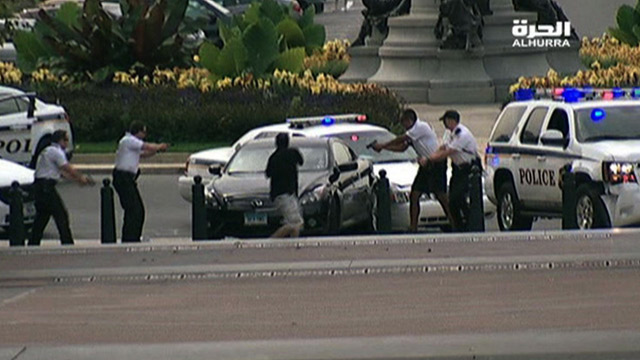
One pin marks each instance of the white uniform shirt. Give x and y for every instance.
(51, 159)
(465, 145)
(128, 154)
(423, 138)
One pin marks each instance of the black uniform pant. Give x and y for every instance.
(49, 203)
(125, 184)
(458, 195)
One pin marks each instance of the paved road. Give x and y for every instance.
(440, 289)
(168, 215)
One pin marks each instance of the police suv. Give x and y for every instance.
(27, 123)
(596, 133)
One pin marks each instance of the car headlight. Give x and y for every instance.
(315, 194)
(618, 172)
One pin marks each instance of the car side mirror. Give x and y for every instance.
(335, 175)
(215, 170)
(554, 138)
(350, 166)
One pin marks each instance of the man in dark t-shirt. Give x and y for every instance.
(282, 169)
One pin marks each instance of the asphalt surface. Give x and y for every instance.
(482, 296)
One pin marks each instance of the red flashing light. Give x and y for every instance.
(361, 118)
(608, 95)
(355, 137)
(558, 91)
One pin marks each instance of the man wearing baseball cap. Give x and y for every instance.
(462, 148)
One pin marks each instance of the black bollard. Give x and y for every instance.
(17, 234)
(384, 203)
(198, 210)
(476, 206)
(107, 214)
(569, 198)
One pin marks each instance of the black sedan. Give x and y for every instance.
(334, 189)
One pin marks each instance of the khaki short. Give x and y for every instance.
(289, 208)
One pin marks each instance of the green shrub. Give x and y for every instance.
(102, 113)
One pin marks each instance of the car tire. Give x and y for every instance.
(591, 212)
(509, 217)
(332, 226)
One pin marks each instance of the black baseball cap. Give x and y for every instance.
(451, 114)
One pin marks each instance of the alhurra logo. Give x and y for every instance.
(541, 35)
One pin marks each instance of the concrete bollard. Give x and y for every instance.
(569, 198)
(107, 214)
(17, 234)
(198, 210)
(384, 203)
(476, 206)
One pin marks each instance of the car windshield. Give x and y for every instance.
(608, 123)
(254, 159)
(358, 141)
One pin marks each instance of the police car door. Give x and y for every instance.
(15, 129)
(531, 163)
(554, 158)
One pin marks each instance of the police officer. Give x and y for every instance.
(430, 178)
(125, 173)
(462, 148)
(50, 165)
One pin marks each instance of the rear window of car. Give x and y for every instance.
(507, 124)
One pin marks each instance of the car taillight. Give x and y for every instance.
(297, 8)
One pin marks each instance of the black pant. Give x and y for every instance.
(49, 203)
(125, 184)
(458, 194)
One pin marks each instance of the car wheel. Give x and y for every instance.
(509, 217)
(590, 210)
(333, 218)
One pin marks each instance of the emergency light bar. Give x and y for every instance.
(572, 94)
(327, 120)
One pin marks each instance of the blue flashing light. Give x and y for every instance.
(495, 162)
(617, 92)
(524, 94)
(635, 92)
(328, 121)
(572, 95)
(598, 115)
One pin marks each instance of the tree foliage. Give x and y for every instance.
(265, 38)
(89, 42)
(628, 21)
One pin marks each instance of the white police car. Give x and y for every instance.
(597, 133)
(401, 168)
(27, 123)
(10, 172)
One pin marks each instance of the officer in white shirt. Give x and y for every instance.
(51, 164)
(125, 173)
(429, 179)
(462, 148)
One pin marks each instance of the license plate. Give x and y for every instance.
(254, 219)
